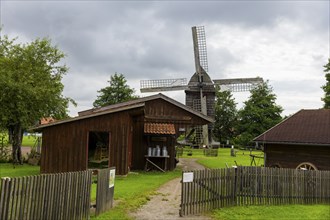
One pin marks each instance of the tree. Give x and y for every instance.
(326, 87)
(225, 115)
(30, 87)
(259, 113)
(117, 92)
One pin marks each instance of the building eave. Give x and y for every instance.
(38, 128)
(137, 103)
(293, 143)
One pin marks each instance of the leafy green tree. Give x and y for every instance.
(259, 113)
(30, 87)
(326, 87)
(117, 92)
(225, 116)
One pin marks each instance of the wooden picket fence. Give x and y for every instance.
(56, 196)
(204, 190)
(48, 196)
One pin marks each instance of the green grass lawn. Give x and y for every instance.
(242, 158)
(29, 141)
(8, 170)
(289, 212)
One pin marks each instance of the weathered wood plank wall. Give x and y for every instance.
(65, 146)
(290, 156)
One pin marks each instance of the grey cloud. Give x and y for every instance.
(298, 86)
(219, 60)
(248, 13)
(146, 39)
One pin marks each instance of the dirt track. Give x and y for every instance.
(166, 204)
(25, 150)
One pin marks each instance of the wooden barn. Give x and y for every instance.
(124, 135)
(301, 141)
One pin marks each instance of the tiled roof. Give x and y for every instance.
(47, 120)
(304, 127)
(159, 128)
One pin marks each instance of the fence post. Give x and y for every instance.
(5, 188)
(105, 189)
(182, 193)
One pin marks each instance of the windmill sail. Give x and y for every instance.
(201, 65)
(200, 90)
(200, 51)
(238, 84)
(160, 85)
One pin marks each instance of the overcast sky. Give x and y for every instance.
(285, 42)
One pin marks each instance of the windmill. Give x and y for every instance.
(200, 90)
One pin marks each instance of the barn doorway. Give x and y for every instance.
(98, 149)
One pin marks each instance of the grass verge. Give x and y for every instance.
(8, 170)
(306, 212)
(242, 158)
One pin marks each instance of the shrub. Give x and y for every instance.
(4, 148)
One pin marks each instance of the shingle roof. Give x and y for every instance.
(159, 128)
(304, 127)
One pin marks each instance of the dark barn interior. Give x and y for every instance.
(98, 149)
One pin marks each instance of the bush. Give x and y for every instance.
(244, 139)
(4, 148)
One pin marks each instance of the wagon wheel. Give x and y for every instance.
(276, 165)
(306, 166)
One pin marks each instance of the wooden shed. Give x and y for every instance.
(301, 141)
(118, 135)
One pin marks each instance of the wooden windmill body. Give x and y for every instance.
(200, 90)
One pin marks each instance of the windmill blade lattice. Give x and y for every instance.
(238, 84)
(160, 85)
(201, 39)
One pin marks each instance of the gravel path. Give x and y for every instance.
(25, 150)
(166, 203)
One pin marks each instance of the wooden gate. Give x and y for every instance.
(204, 190)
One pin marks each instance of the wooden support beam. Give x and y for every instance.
(155, 165)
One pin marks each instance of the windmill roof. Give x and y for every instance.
(304, 127)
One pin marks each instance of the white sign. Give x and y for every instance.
(188, 177)
(112, 178)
